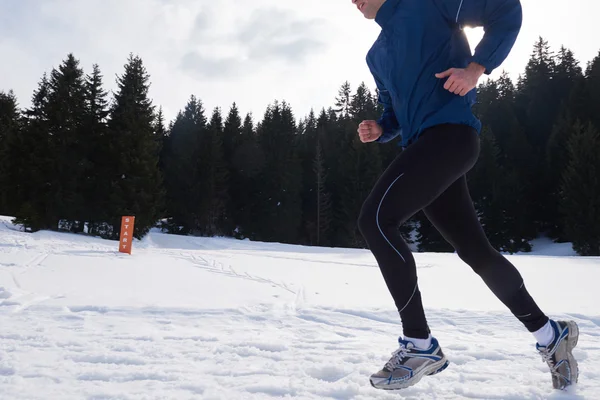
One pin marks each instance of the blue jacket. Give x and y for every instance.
(420, 38)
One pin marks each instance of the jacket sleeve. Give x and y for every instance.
(387, 120)
(500, 19)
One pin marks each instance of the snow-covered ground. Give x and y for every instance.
(198, 318)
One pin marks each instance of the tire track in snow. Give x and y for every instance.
(306, 259)
(35, 261)
(14, 278)
(218, 267)
(27, 300)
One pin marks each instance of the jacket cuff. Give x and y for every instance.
(485, 63)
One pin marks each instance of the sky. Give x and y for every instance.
(248, 52)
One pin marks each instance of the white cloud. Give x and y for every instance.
(265, 36)
(232, 50)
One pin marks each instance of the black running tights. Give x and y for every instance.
(430, 175)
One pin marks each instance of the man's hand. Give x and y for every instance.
(462, 80)
(369, 131)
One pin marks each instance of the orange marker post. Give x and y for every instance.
(126, 234)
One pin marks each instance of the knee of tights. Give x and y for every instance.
(476, 257)
(366, 221)
(370, 225)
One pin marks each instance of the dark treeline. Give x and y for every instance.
(77, 160)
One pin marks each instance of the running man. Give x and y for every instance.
(427, 77)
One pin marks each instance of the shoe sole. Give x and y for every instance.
(572, 340)
(443, 367)
(433, 369)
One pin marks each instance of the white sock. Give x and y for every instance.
(421, 344)
(545, 335)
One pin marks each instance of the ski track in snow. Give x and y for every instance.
(289, 344)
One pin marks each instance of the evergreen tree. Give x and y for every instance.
(534, 101)
(362, 106)
(360, 166)
(487, 96)
(499, 197)
(232, 139)
(182, 176)
(317, 201)
(592, 76)
(323, 201)
(428, 237)
(31, 163)
(484, 181)
(544, 89)
(578, 105)
(519, 169)
(136, 185)
(96, 181)
(514, 146)
(334, 146)
(342, 101)
(511, 206)
(557, 145)
(557, 159)
(66, 114)
(248, 161)
(162, 136)
(279, 206)
(213, 179)
(567, 73)
(232, 132)
(536, 98)
(55, 134)
(350, 184)
(580, 198)
(307, 146)
(10, 127)
(10, 130)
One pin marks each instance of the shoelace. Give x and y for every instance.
(547, 357)
(397, 357)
